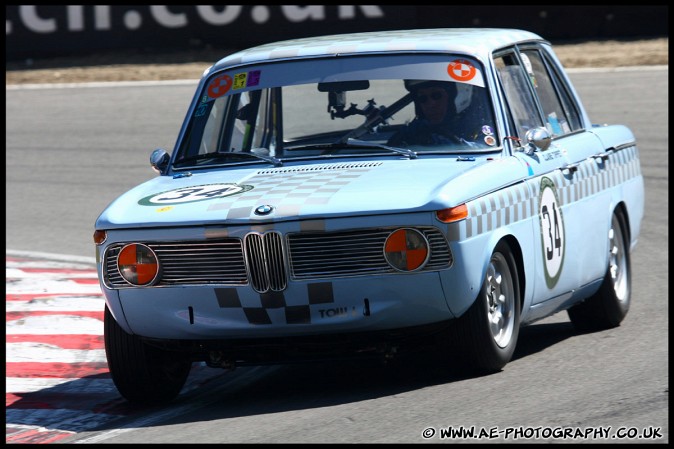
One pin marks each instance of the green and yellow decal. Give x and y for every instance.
(193, 193)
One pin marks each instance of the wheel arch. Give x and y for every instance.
(516, 249)
(622, 208)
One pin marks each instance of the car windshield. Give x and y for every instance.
(403, 106)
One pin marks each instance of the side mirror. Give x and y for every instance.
(540, 138)
(159, 160)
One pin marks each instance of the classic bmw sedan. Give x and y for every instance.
(355, 195)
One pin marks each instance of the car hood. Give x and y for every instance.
(239, 196)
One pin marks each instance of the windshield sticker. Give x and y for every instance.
(530, 69)
(239, 81)
(461, 70)
(193, 194)
(552, 231)
(219, 86)
(203, 107)
(253, 78)
(246, 79)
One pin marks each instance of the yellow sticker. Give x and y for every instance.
(164, 209)
(240, 80)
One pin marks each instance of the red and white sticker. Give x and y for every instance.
(490, 140)
(220, 86)
(461, 70)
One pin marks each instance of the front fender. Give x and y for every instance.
(463, 281)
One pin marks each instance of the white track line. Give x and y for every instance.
(46, 353)
(59, 385)
(49, 324)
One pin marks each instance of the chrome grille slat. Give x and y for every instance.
(330, 261)
(275, 261)
(192, 260)
(206, 269)
(255, 255)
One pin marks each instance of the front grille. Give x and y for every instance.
(216, 262)
(264, 254)
(261, 261)
(354, 253)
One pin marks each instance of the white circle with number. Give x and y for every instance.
(194, 193)
(552, 231)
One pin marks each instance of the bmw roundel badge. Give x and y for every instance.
(265, 209)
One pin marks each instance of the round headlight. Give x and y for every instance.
(138, 264)
(406, 249)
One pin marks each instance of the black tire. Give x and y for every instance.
(609, 306)
(142, 373)
(487, 333)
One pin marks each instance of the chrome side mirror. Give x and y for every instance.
(159, 160)
(540, 138)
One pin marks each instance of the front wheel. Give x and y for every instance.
(487, 333)
(609, 306)
(142, 373)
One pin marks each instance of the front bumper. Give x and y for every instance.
(304, 308)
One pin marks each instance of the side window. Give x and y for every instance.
(518, 94)
(570, 106)
(560, 117)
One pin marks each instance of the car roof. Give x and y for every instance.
(479, 42)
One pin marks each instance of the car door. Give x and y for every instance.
(585, 198)
(554, 173)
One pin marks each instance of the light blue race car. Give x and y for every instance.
(355, 195)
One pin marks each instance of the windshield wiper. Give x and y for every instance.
(364, 143)
(355, 143)
(229, 155)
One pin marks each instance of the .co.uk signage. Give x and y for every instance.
(34, 31)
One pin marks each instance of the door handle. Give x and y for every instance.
(601, 156)
(571, 168)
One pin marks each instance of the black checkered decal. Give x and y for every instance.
(517, 202)
(288, 189)
(317, 293)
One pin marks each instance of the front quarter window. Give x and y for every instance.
(517, 90)
(560, 115)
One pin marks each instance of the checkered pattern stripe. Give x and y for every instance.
(288, 189)
(272, 307)
(479, 42)
(594, 176)
(499, 209)
(517, 202)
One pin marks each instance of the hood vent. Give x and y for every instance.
(314, 168)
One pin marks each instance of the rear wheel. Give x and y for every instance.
(609, 306)
(142, 373)
(487, 333)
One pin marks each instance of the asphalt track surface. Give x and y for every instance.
(70, 151)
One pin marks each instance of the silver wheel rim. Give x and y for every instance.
(617, 261)
(500, 299)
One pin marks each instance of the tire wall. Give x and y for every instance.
(42, 31)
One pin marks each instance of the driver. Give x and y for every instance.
(435, 122)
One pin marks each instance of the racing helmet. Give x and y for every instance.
(413, 85)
